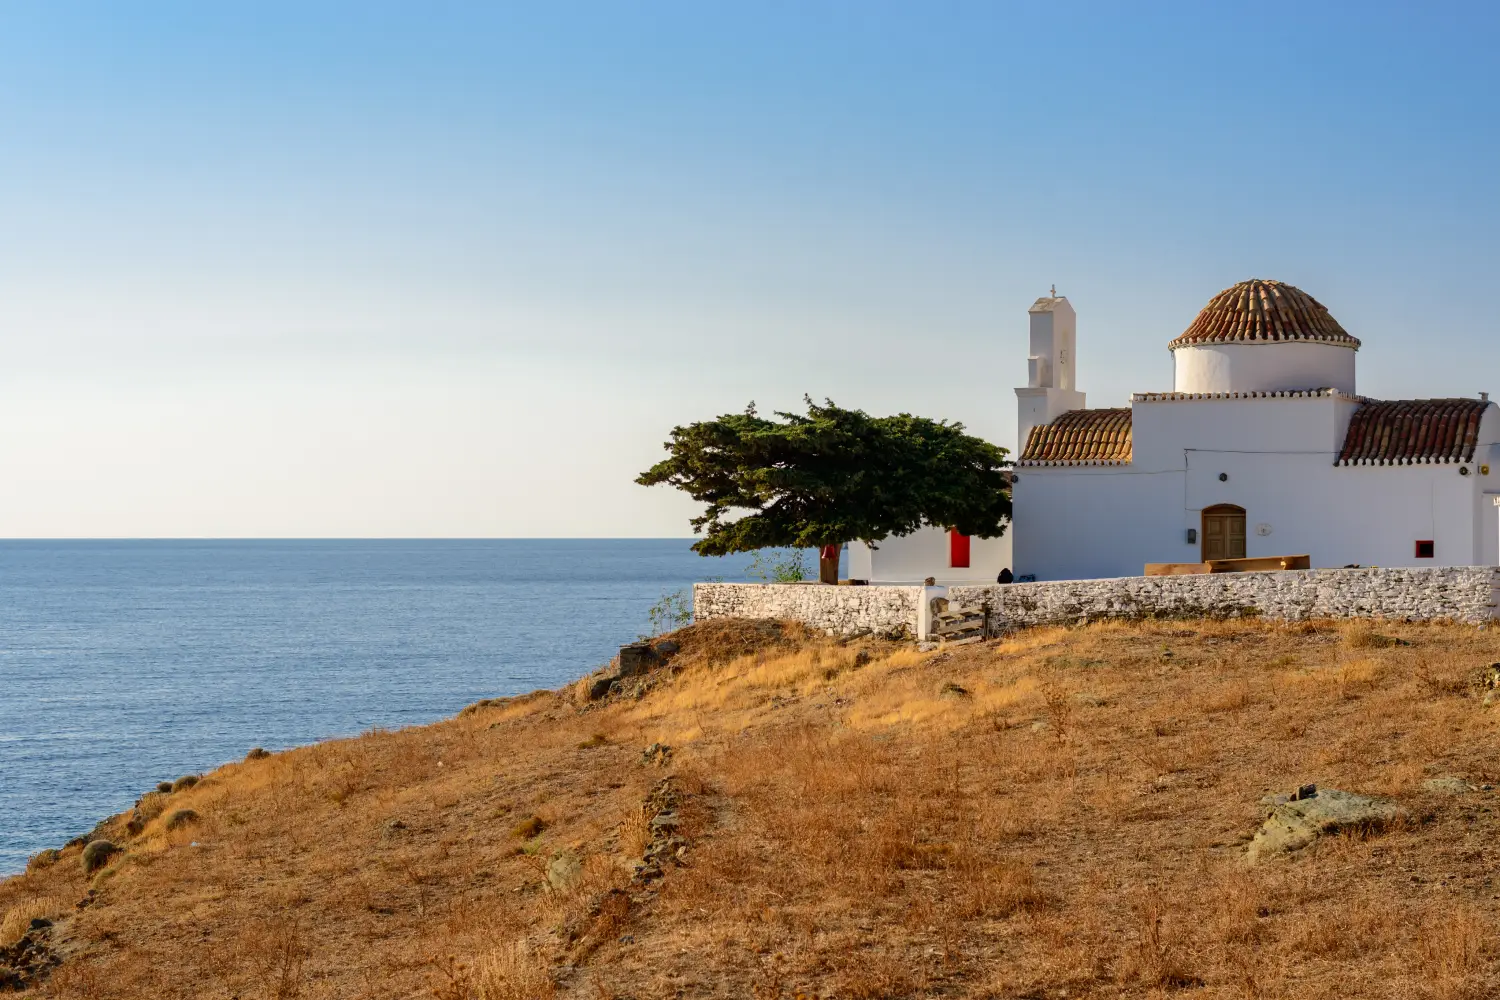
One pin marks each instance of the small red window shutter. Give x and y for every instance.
(958, 550)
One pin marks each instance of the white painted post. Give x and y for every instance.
(924, 610)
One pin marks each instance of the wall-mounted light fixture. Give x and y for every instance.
(1192, 536)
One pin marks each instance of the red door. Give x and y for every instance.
(958, 550)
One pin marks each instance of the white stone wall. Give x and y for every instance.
(1462, 593)
(840, 610)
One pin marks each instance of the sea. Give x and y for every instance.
(126, 663)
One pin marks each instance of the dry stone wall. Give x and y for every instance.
(839, 610)
(1462, 593)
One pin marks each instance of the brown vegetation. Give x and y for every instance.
(1063, 813)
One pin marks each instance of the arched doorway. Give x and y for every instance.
(1223, 532)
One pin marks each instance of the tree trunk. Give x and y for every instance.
(828, 564)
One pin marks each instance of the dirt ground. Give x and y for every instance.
(1060, 814)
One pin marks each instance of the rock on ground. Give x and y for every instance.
(1298, 819)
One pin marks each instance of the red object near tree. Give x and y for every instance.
(958, 550)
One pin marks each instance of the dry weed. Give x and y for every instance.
(18, 918)
(1358, 675)
(1360, 634)
(1059, 705)
(1450, 953)
(1159, 959)
(511, 973)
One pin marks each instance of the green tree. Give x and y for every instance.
(831, 476)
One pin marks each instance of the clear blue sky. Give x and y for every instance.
(446, 269)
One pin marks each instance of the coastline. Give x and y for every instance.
(848, 817)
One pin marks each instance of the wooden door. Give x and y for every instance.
(1223, 532)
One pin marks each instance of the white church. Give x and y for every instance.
(1262, 448)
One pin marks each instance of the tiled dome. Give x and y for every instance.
(1264, 312)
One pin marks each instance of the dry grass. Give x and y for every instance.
(1060, 814)
(18, 918)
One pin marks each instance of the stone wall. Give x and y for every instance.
(1462, 593)
(840, 610)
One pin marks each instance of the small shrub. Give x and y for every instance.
(258, 753)
(96, 855)
(181, 818)
(150, 806)
(529, 827)
(165, 787)
(1360, 634)
(1059, 704)
(480, 705)
(43, 859)
(672, 612)
(186, 781)
(596, 740)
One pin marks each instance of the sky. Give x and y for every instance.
(413, 270)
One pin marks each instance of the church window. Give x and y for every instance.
(958, 550)
(1426, 550)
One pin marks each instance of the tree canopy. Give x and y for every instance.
(832, 476)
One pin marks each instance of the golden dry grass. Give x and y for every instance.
(1060, 814)
(18, 918)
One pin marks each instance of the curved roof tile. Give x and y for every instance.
(1411, 431)
(1261, 311)
(1081, 436)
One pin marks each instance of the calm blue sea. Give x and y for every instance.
(125, 663)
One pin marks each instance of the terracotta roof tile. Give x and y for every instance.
(1408, 431)
(1081, 437)
(1172, 397)
(1261, 311)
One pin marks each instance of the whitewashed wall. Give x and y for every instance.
(1261, 367)
(1462, 593)
(1077, 522)
(913, 558)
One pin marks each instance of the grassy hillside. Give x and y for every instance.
(1063, 814)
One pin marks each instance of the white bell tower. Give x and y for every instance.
(1051, 367)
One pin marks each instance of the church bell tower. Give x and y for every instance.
(1051, 367)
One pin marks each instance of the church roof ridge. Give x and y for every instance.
(1264, 311)
(1170, 397)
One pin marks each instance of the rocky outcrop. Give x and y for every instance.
(631, 674)
(1301, 817)
(666, 845)
(30, 960)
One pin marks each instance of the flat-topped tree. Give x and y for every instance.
(832, 476)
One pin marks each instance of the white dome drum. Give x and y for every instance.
(1264, 336)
